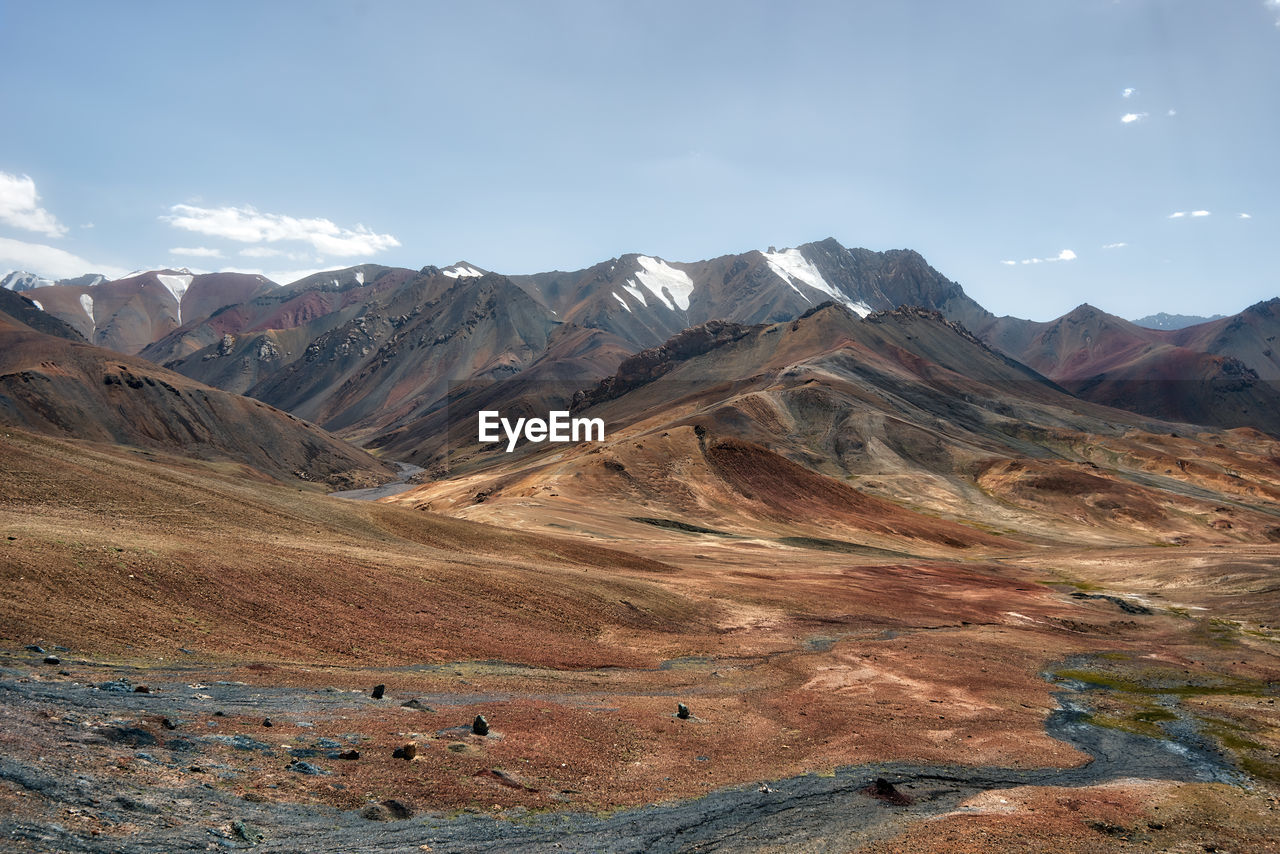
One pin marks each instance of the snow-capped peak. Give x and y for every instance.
(462, 270)
(792, 267)
(20, 280)
(663, 281)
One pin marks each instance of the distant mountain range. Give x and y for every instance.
(371, 352)
(1164, 320)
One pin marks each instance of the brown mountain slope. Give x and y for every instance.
(1204, 374)
(59, 387)
(831, 426)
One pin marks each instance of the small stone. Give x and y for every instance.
(408, 752)
(480, 726)
(305, 768)
(246, 832)
(141, 689)
(52, 659)
(349, 754)
(378, 691)
(31, 647)
(168, 724)
(267, 722)
(682, 711)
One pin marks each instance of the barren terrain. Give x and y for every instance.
(1012, 690)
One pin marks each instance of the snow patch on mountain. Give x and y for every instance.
(19, 281)
(665, 282)
(621, 301)
(462, 271)
(793, 268)
(37, 304)
(177, 286)
(635, 292)
(359, 277)
(86, 302)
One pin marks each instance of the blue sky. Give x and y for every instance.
(526, 136)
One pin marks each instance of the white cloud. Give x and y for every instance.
(1114, 245)
(1171, 113)
(1177, 215)
(1274, 6)
(196, 251)
(1130, 118)
(50, 262)
(1010, 263)
(1246, 216)
(1184, 214)
(247, 225)
(19, 206)
(1064, 255)
(1128, 92)
(262, 252)
(1199, 213)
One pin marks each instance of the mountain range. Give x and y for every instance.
(369, 350)
(845, 527)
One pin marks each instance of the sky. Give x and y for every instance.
(1042, 153)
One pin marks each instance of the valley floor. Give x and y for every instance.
(1063, 698)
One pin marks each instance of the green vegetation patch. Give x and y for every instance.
(676, 525)
(839, 546)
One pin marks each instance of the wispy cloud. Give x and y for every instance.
(247, 225)
(196, 251)
(1274, 6)
(1130, 118)
(49, 261)
(20, 208)
(1172, 112)
(1184, 214)
(1128, 92)
(1120, 245)
(1245, 216)
(1064, 255)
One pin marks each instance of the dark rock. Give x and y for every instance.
(882, 790)
(168, 724)
(375, 812)
(349, 754)
(682, 711)
(246, 832)
(52, 659)
(480, 726)
(130, 735)
(407, 752)
(267, 722)
(378, 691)
(33, 647)
(141, 689)
(398, 810)
(305, 768)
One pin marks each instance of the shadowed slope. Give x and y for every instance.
(67, 389)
